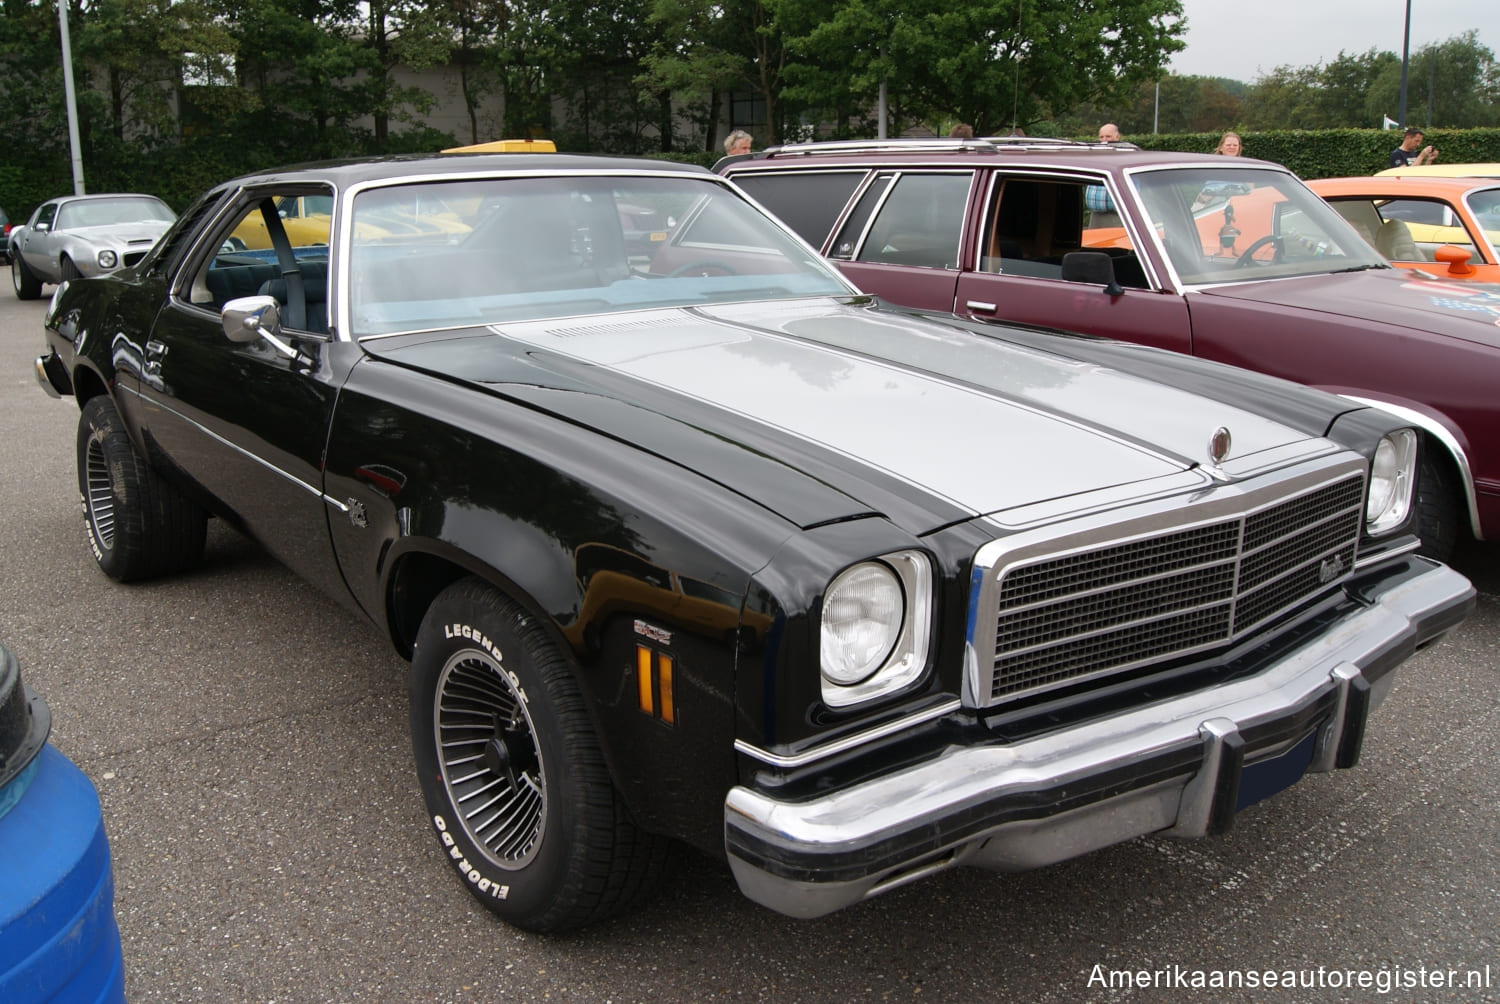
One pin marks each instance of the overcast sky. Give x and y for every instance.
(1242, 39)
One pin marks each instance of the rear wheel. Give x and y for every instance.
(138, 525)
(514, 780)
(28, 286)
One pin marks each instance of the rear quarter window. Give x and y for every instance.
(807, 201)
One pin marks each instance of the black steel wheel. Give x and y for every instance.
(515, 784)
(138, 525)
(1439, 512)
(28, 285)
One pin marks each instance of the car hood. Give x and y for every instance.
(1469, 310)
(825, 409)
(121, 233)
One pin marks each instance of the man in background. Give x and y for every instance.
(737, 142)
(1109, 133)
(1406, 154)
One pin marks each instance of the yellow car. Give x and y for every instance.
(306, 219)
(1443, 171)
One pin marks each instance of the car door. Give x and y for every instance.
(248, 422)
(1029, 222)
(35, 245)
(904, 237)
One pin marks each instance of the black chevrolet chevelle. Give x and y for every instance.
(686, 539)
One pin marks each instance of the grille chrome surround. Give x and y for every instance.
(1089, 599)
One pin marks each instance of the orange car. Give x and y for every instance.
(1445, 227)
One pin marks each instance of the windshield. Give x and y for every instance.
(1234, 224)
(112, 212)
(483, 251)
(1485, 205)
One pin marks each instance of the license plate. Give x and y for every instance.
(1267, 777)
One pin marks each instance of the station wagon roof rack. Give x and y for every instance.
(986, 144)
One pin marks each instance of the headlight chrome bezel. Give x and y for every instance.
(108, 259)
(1391, 491)
(905, 657)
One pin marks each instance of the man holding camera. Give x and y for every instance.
(1406, 154)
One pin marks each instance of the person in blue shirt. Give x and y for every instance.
(1406, 155)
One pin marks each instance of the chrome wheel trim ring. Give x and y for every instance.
(99, 496)
(479, 710)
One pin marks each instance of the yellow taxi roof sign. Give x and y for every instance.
(507, 146)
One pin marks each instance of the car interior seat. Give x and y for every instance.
(1393, 241)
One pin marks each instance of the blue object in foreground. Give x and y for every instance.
(58, 937)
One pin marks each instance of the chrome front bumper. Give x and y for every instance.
(1183, 766)
(51, 375)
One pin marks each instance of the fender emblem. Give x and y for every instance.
(357, 514)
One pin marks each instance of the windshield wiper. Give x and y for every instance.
(1360, 268)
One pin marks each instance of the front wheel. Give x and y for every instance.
(1438, 508)
(514, 780)
(28, 285)
(138, 524)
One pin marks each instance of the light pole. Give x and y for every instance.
(1405, 55)
(67, 60)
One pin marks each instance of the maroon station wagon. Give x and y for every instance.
(1230, 259)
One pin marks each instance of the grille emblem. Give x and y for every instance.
(1218, 446)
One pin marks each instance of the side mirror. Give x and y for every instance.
(250, 319)
(1093, 267)
(1456, 258)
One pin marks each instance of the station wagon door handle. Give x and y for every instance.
(980, 307)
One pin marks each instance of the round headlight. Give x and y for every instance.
(1392, 474)
(107, 259)
(862, 615)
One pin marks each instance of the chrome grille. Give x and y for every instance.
(1117, 605)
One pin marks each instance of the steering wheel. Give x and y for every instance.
(703, 268)
(1247, 257)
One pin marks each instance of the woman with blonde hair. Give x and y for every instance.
(1230, 145)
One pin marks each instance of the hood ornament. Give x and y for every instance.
(1218, 446)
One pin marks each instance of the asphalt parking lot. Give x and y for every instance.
(248, 739)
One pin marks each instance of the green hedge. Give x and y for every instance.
(180, 173)
(1333, 153)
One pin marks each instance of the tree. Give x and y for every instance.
(1458, 79)
(993, 63)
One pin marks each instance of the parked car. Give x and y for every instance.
(5, 229)
(1445, 228)
(84, 235)
(1442, 171)
(705, 546)
(1229, 259)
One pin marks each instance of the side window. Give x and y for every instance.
(46, 215)
(858, 221)
(1032, 222)
(920, 222)
(249, 258)
(1413, 229)
(809, 202)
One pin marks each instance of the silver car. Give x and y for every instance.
(79, 235)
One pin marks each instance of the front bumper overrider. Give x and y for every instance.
(1184, 765)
